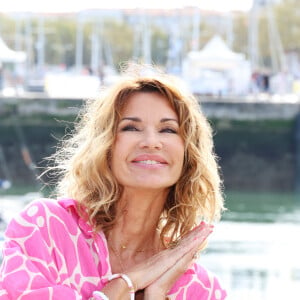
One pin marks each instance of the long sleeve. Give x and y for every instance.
(199, 284)
(47, 256)
(28, 272)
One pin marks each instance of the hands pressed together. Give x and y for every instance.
(157, 274)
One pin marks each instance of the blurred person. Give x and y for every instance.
(138, 191)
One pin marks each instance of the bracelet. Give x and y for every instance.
(126, 279)
(97, 295)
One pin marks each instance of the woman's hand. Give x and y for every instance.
(157, 274)
(160, 287)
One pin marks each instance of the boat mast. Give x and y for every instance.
(146, 42)
(40, 46)
(278, 59)
(196, 29)
(79, 43)
(253, 37)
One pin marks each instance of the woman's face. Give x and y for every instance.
(148, 152)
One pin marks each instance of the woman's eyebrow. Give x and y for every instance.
(168, 119)
(136, 119)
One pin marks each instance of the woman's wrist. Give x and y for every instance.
(117, 286)
(116, 289)
(151, 294)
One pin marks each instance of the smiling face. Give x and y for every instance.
(148, 151)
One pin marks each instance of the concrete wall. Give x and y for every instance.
(255, 141)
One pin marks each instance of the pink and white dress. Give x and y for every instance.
(51, 253)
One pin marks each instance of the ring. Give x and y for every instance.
(174, 244)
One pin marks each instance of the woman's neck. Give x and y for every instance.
(138, 214)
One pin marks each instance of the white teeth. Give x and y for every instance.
(148, 162)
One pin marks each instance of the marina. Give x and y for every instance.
(242, 66)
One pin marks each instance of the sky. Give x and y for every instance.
(77, 5)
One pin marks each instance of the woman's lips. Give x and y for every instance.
(149, 159)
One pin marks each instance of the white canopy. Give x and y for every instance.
(215, 55)
(216, 69)
(9, 55)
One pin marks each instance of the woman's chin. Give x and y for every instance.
(150, 185)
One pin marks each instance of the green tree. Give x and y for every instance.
(7, 30)
(60, 41)
(117, 41)
(240, 33)
(288, 19)
(159, 45)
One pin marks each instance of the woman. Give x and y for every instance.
(140, 179)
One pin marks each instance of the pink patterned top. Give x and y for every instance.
(50, 253)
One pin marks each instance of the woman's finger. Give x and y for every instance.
(163, 284)
(150, 270)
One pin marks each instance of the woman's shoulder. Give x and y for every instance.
(47, 207)
(43, 211)
(51, 204)
(198, 283)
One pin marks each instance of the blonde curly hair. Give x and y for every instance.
(83, 159)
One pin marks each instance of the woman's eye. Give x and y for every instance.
(168, 130)
(129, 128)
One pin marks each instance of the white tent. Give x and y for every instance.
(216, 69)
(215, 55)
(9, 55)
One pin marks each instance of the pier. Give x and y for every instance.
(256, 139)
(259, 107)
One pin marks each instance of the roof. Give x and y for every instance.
(9, 55)
(215, 54)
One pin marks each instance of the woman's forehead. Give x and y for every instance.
(154, 102)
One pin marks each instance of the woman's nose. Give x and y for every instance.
(151, 140)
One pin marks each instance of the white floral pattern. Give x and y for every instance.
(51, 253)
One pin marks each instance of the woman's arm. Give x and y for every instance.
(24, 277)
(157, 274)
(41, 259)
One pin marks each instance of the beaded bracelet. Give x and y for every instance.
(97, 295)
(126, 279)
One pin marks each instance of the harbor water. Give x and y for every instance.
(254, 250)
